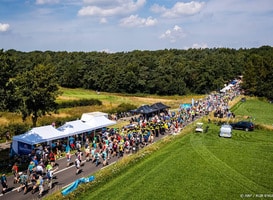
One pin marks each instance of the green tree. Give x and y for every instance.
(37, 91)
(8, 100)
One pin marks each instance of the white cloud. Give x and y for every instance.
(174, 34)
(135, 21)
(106, 51)
(40, 2)
(115, 7)
(199, 46)
(4, 27)
(179, 9)
(157, 8)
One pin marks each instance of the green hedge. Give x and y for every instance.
(14, 129)
(124, 107)
(81, 102)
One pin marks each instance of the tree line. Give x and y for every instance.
(29, 80)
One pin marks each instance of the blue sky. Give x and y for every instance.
(127, 25)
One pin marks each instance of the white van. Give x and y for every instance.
(226, 131)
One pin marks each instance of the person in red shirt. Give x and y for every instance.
(14, 170)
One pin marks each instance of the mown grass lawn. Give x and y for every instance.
(197, 166)
(258, 111)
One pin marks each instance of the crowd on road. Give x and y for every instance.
(35, 177)
(98, 148)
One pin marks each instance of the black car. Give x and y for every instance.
(243, 125)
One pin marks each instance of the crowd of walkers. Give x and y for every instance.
(38, 174)
(98, 148)
(143, 129)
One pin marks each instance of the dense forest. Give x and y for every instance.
(162, 72)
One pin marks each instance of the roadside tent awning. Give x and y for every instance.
(159, 106)
(227, 88)
(145, 109)
(23, 144)
(74, 128)
(89, 116)
(97, 120)
(39, 135)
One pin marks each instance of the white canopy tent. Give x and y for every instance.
(24, 142)
(97, 120)
(226, 88)
(74, 128)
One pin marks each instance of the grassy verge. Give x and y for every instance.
(260, 112)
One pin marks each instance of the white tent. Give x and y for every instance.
(74, 128)
(89, 116)
(23, 143)
(97, 120)
(227, 88)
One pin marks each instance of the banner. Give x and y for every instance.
(75, 184)
(24, 149)
(185, 105)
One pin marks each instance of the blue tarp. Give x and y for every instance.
(75, 184)
(185, 106)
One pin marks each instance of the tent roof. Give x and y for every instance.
(98, 122)
(159, 106)
(145, 109)
(88, 116)
(39, 135)
(74, 128)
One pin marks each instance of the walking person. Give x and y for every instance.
(49, 176)
(23, 180)
(87, 153)
(77, 165)
(4, 183)
(7, 136)
(52, 158)
(14, 170)
(41, 185)
(97, 158)
(68, 158)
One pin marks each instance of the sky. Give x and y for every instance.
(127, 25)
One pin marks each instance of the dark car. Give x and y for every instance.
(243, 125)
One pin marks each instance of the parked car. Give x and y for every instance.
(199, 127)
(243, 125)
(226, 131)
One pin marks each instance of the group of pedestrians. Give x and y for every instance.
(143, 130)
(40, 173)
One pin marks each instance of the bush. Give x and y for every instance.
(14, 129)
(81, 102)
(58, 121)
(124, 107)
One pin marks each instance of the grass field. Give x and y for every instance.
(258, 111)
(109, 101)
